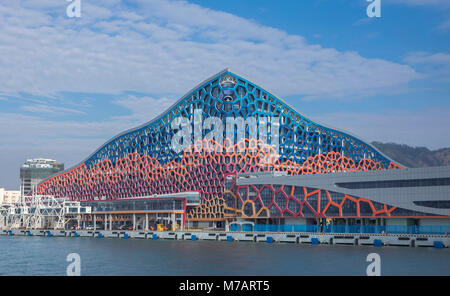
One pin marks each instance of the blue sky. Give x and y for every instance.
(68, 85)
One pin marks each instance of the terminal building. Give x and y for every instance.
(231, 155)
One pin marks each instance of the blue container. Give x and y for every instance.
(10, 233)
(100, 235)
(229, 238)
(49, 234)
(193, 237)
(269, 239)
(125, 236)
(75, 234)
(377, 243)
(314, 241)
(438, 244)
(28, 233)
(154, 236)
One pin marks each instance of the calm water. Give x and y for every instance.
(47, 256)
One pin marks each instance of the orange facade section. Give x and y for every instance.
(201, 170)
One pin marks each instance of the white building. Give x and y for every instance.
(9, 196)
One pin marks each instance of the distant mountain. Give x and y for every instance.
(414, 157)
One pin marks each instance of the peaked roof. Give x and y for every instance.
(187, 94)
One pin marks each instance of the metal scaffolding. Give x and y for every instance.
(39, 212)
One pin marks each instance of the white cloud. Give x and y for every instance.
(165, 47)
(168, 46)
(143, 109)
(49, 109)
(68, 141)
(428, 58)
(436, 65)
(428, 128)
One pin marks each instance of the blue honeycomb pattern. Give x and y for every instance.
(229, 95)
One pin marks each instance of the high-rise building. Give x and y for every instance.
(35, 170)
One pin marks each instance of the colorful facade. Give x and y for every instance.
(144, 161)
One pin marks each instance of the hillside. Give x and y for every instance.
(415, 156)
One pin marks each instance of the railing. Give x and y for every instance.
(395, 229)
(275, 228)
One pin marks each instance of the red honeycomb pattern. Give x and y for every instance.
(203, 171)
(314, 204)
(214, 209)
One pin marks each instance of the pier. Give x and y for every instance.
(376, 240)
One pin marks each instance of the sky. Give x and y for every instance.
(67, 85)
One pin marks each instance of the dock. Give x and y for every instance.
(376, 240)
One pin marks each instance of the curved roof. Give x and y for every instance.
(201, 85)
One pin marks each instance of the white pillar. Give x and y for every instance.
(174, 220)
(146, 222)
(106, 222)
(134, 221)
(95, 222)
